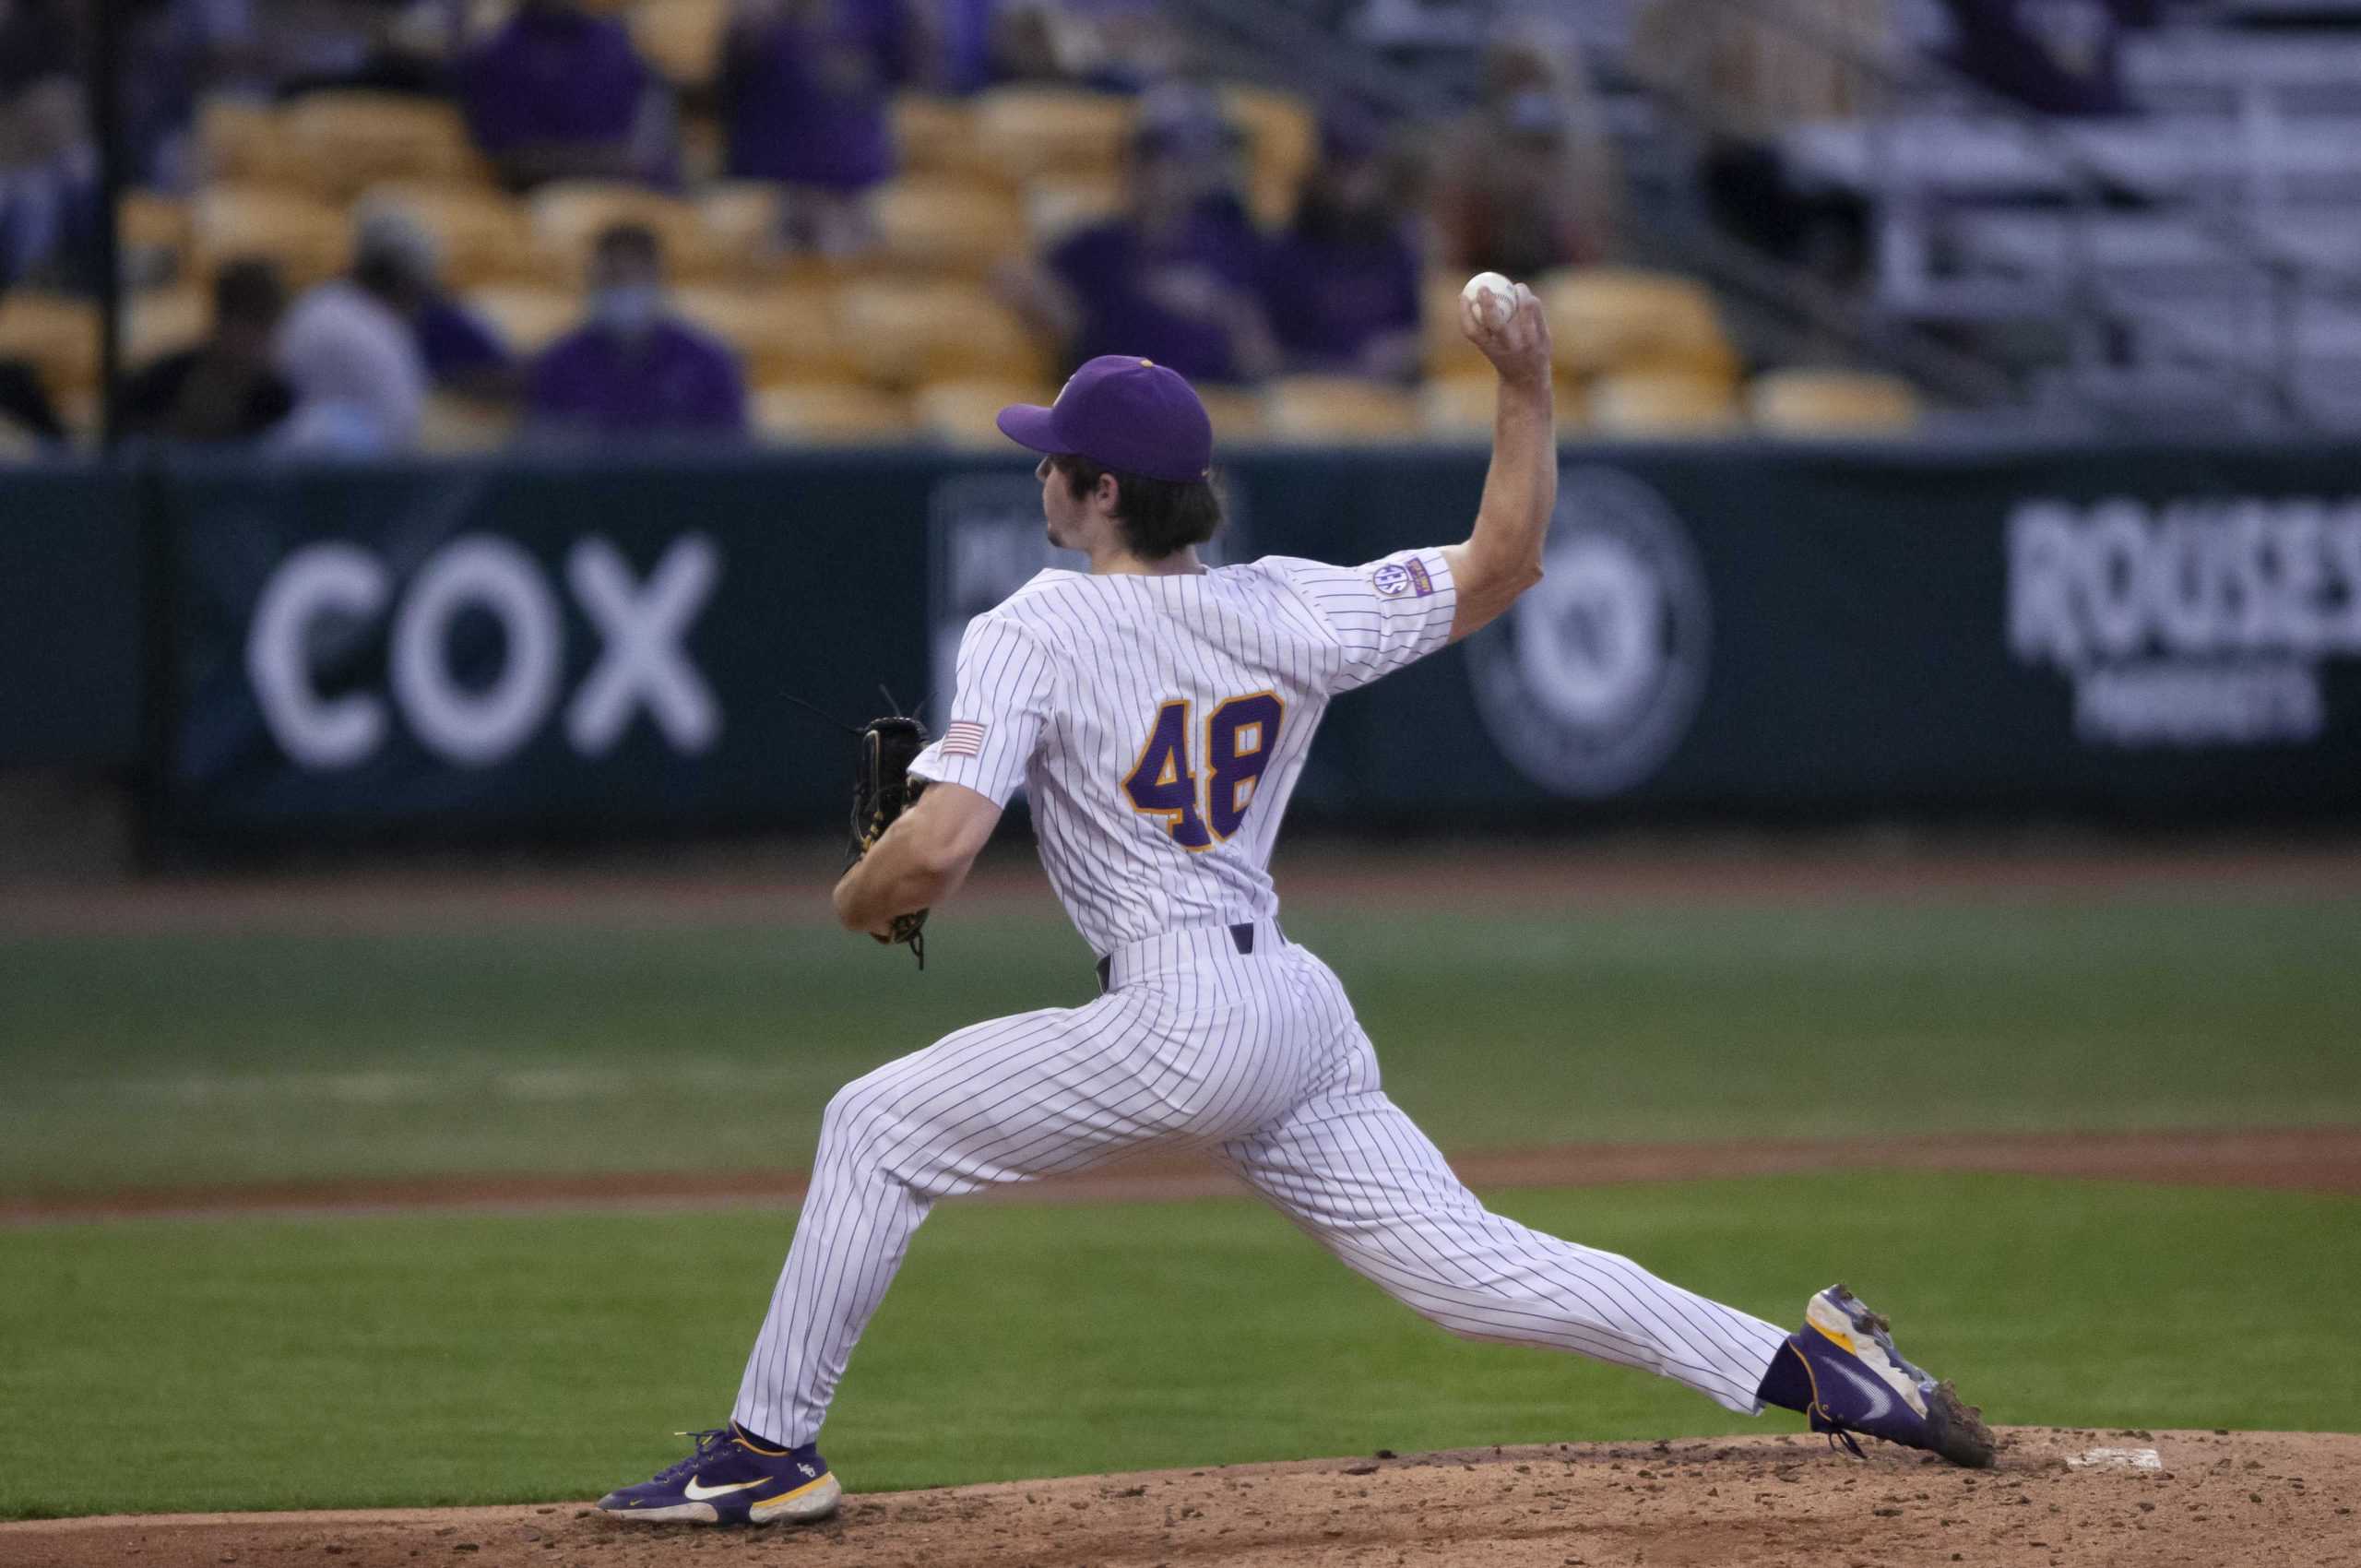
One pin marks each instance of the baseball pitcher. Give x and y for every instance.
(1159, 714)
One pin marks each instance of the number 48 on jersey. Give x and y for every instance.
(1241, 736)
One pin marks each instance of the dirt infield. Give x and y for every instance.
(2057, 1500)
(2313, 1159)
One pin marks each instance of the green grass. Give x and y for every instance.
(193, 1059)
(273, 1363)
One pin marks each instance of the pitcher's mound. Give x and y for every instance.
(2057, 1499)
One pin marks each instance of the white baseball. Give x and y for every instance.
(1494, 296)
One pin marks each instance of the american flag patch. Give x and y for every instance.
(963, 739)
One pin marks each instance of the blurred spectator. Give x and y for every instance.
(2060, 56)
(50, 212)
(558, 93)
(805, 88)
(461, 351)
(1750, 80)
(349, 353)
(633, 369)
(1528, 181)
(222, 389)
(1176, 279)
(1341, 285)
(26, 415)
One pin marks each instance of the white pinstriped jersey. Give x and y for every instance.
(1159, 723)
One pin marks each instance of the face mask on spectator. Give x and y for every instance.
(628, 310)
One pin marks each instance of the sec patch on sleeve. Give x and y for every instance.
(1403, 579)
(963, 739)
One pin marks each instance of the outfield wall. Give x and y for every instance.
(528, 646)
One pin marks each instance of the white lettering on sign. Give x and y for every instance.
(325, 594)
(2199, 621)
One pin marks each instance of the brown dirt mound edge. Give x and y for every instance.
(2056, 1499)
(2314, 1159)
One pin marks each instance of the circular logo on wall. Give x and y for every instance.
(1588, 684)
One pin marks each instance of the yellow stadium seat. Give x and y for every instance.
(347, 141)
(1608, 318)
(1056, 205)
(164, 322)
(944, 225)
(1337, 409)
(827, 413)
(57, 334)
(155, 223)
(681, 38)
(938, 136)
(746, 220)
(527, 317)
(1282, 140)
(1830, 402)
(905, 332)
(1235, 412)
(568, 215)
(240, 138)
(784, 334)
(310, 239)
(483, 233)
(453, 423)
(1458, 408)
(1447, 351)
(963, 412)
(1663, 403)
(1025, 131)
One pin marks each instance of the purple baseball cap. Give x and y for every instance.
(1129, 415)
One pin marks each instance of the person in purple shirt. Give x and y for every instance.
(1177, 277)
(804, 92)
(633, 369)
(557, 93)
(1341, 285)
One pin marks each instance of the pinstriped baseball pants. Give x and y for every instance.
(1259, 1061)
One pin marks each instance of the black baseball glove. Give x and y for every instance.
(882, 790)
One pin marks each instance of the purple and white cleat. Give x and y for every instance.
(732, 1479)
(1860, 1384)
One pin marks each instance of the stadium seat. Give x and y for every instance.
(157, 224)
(1283, 142)
(681, 38)
(1235, 412)
(452, 423)
(241, 138)
(963, 411)
(1830, 402)
(1663, 403)
(1447, 351)
(1325, 409)
(1056, 205)
(945, 225)
(1025, 131)
(163, 322)
(568, 216)
(829, 414)
(57, 334)
(783, 334)
(746, 220)
(529, 318)
(483, 233)
(937, 136)
(1460, 407)
(345, 141)
(1606, 318)
(903, 333)
(310, 239)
